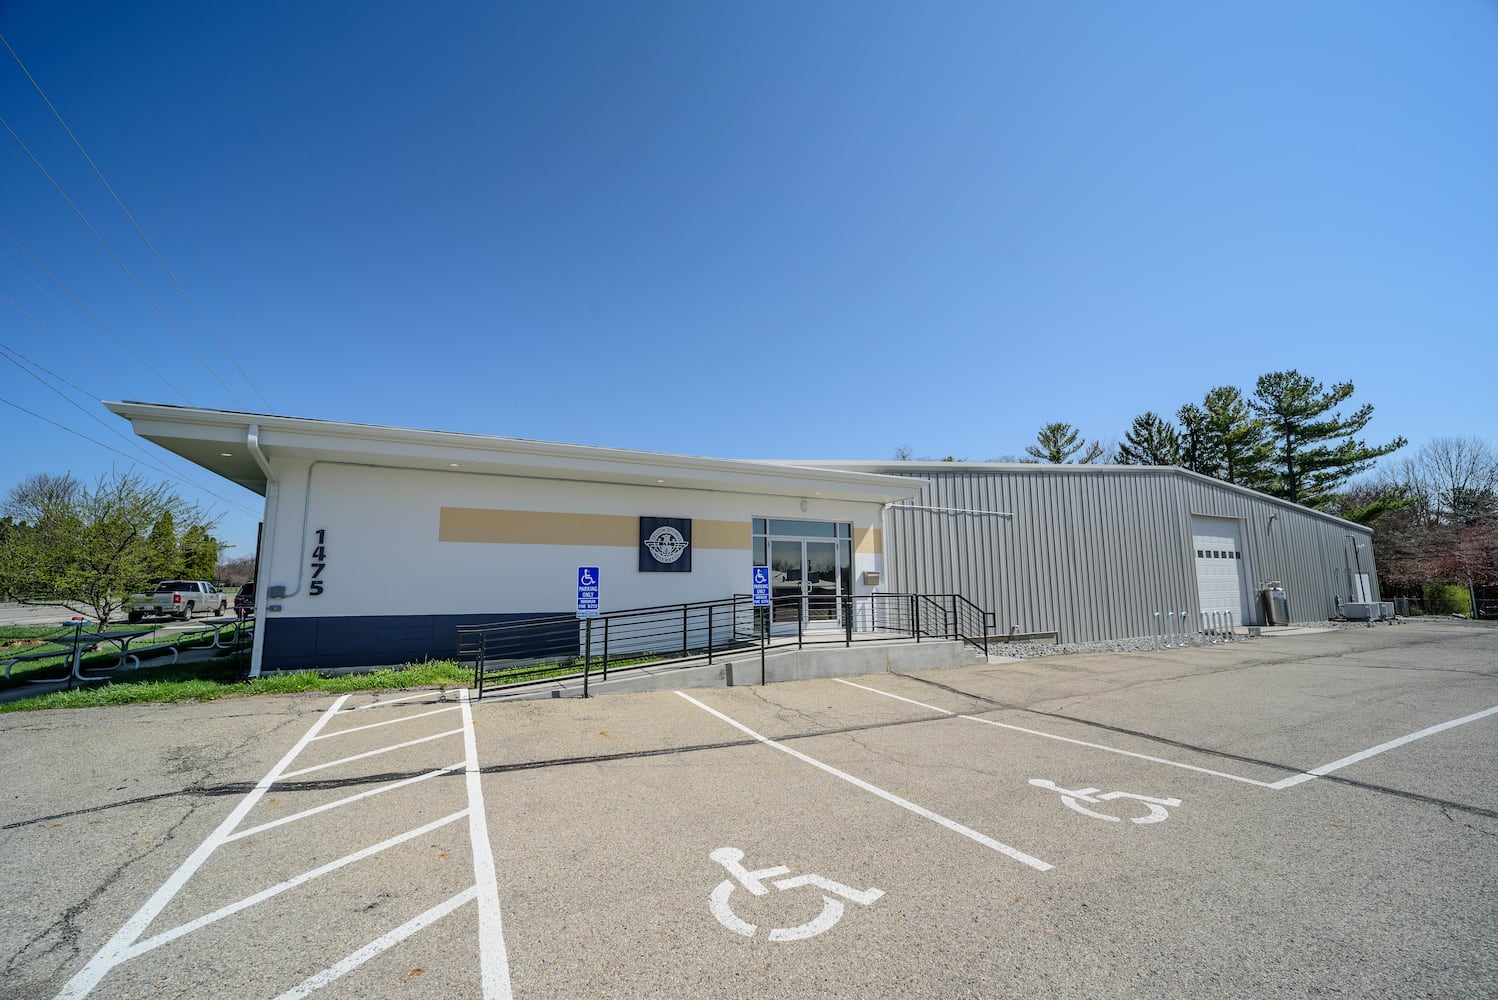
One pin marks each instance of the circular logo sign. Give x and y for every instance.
(666, 544)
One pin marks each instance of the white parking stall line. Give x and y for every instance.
(952, 825)
(1124, 753)
(392, 786)
(1337, 765)
(371, 753)
(384, 702)
(164, 937)
(112, 953)
(897, 697)
(494, 959)
(378, 946)
(1080, 743)
(388, 722)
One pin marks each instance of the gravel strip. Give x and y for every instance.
(1139, 644)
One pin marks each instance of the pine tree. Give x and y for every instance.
(1316, 448)
(1150, 441)
(1058, 442)
(1238, 440)
(1197, 453)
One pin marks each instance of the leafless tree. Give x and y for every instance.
(1454, 479)
(234, 572)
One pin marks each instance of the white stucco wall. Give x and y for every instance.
(384, 556)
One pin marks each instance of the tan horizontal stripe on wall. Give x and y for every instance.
(720, 534)
(534, 527)
(868, 541)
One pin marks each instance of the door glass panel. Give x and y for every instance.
(821, 581)
(785, 580)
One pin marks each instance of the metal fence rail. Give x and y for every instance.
(560, 646)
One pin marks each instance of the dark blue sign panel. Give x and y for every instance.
(665, 545)
(761, 586)
(587, 592)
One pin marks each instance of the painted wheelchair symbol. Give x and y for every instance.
(832, 909)
(1073, 799)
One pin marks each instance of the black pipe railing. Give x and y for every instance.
(554, 646)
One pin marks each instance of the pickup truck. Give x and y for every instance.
(180, 599)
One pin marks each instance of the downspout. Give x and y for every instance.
(267, 545)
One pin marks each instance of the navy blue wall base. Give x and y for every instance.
(379, 640)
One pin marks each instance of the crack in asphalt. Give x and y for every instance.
(66, 927)
(784, 713)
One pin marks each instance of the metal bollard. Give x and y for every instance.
(1159, 636)
(1232, 631)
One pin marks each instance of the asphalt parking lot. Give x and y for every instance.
(1309, 815)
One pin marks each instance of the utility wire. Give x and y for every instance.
(93, 315)
(116, 258)
(11, 354)
(139, 232)
(44, 328)
(37, 364)
(131, 458)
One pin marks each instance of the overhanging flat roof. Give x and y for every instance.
(219, 441)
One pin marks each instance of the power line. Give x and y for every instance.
(116, 258)
(93, 315)
(36, 364)
(140, 232)
(130, 458)
(45, 329)
(165, 472)
(11, 354)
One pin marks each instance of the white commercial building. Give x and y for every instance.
(378, 541)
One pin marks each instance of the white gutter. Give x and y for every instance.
(267, 545)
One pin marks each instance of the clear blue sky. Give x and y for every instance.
(747, 230)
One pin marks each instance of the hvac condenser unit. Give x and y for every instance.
(1359, 611)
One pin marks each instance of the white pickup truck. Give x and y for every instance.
(180, 599)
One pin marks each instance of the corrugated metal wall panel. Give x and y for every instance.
(1093, 554)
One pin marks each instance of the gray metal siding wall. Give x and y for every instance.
(1094, 554)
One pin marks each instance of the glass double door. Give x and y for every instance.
(806, 579)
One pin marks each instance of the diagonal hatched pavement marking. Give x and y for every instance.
(493, 957)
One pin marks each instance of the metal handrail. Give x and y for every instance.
(555, 645)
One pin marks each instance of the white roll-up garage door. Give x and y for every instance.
(1220, 577)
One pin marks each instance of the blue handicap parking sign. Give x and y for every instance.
(587, 591)
(761, 586)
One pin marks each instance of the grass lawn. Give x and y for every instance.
(225, 676)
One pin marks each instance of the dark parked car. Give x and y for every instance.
(1487, 609)
(244, 601)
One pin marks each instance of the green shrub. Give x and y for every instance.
(1447, 599)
